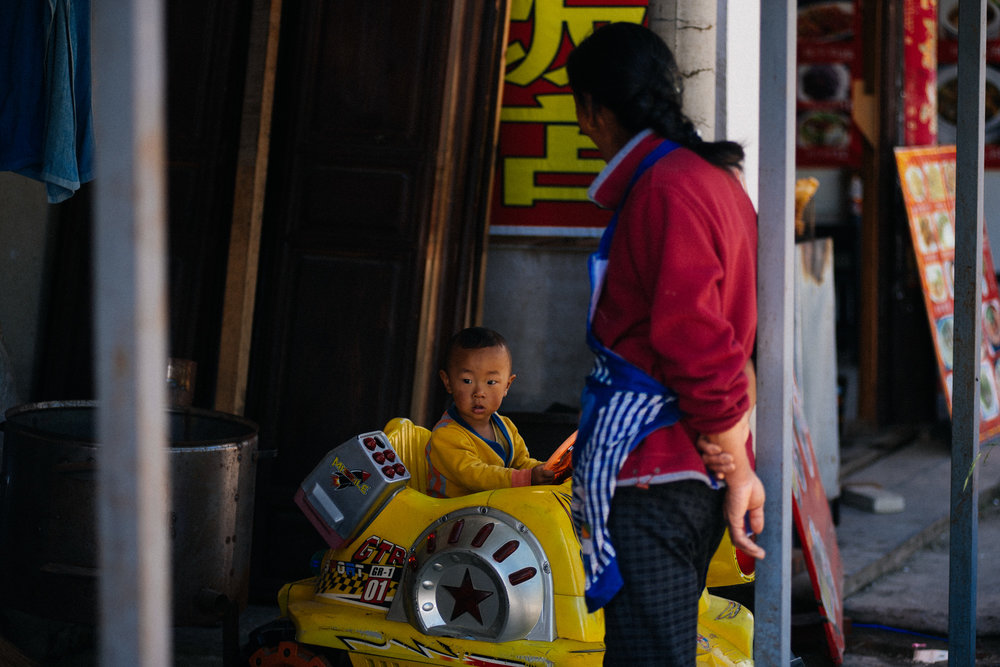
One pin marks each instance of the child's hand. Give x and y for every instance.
(539, 475)
(717, 461)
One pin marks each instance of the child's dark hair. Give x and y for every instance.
(627, 68)
(474, 338)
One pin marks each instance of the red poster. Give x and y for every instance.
(814, 523)
(545, 163)
(920, 125)
(947, 77)
(828, 46)
(927, 176)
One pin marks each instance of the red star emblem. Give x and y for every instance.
(467, 598)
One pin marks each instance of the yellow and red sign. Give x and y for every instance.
(545, 163)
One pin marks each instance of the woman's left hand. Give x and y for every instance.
(715, 459)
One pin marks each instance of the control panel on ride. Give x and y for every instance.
(350, 485)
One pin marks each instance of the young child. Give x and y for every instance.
(472, 448)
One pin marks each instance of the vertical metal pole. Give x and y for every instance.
(772, 609)
(776, 247)
(133, 485)
(964, 538)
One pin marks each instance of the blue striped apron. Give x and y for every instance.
(621, 404)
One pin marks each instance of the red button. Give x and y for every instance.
(389, 471)
(370, 442)
(400, 469)
(379, 457)
(389, 454)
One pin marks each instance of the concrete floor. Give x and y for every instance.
(896, 566)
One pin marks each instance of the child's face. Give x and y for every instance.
(478, 380)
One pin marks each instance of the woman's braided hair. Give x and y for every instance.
(627, 68)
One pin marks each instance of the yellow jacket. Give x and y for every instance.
(460, 462)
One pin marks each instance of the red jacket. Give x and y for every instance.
(680, 296)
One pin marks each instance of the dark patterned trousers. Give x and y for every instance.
(664, 536)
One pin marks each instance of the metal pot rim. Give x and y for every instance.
(42, 406)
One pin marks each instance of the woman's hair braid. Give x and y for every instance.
(627, 68)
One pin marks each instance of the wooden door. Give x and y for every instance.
(373, 232)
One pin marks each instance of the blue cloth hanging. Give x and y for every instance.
(46, 120)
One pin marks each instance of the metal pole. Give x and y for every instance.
(133, 485)
(772, 609)
(964, 538)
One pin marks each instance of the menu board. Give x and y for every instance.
(947, 77)
(814, 523)
(927, 177)
(827, 51)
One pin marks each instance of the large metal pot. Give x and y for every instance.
(48, 526)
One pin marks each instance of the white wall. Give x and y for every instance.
(537, 298)
(739, 59)
(829, 202)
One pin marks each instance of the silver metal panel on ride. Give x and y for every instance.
(350, 486)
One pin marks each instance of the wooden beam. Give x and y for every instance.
(248, 208)
(868, 292)
(873, 115)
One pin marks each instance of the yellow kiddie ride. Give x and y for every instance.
(492, 578)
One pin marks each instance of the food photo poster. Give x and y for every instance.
(828, 47)
(927, 179)
(947, 77)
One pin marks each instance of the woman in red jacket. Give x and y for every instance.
(672, 322)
